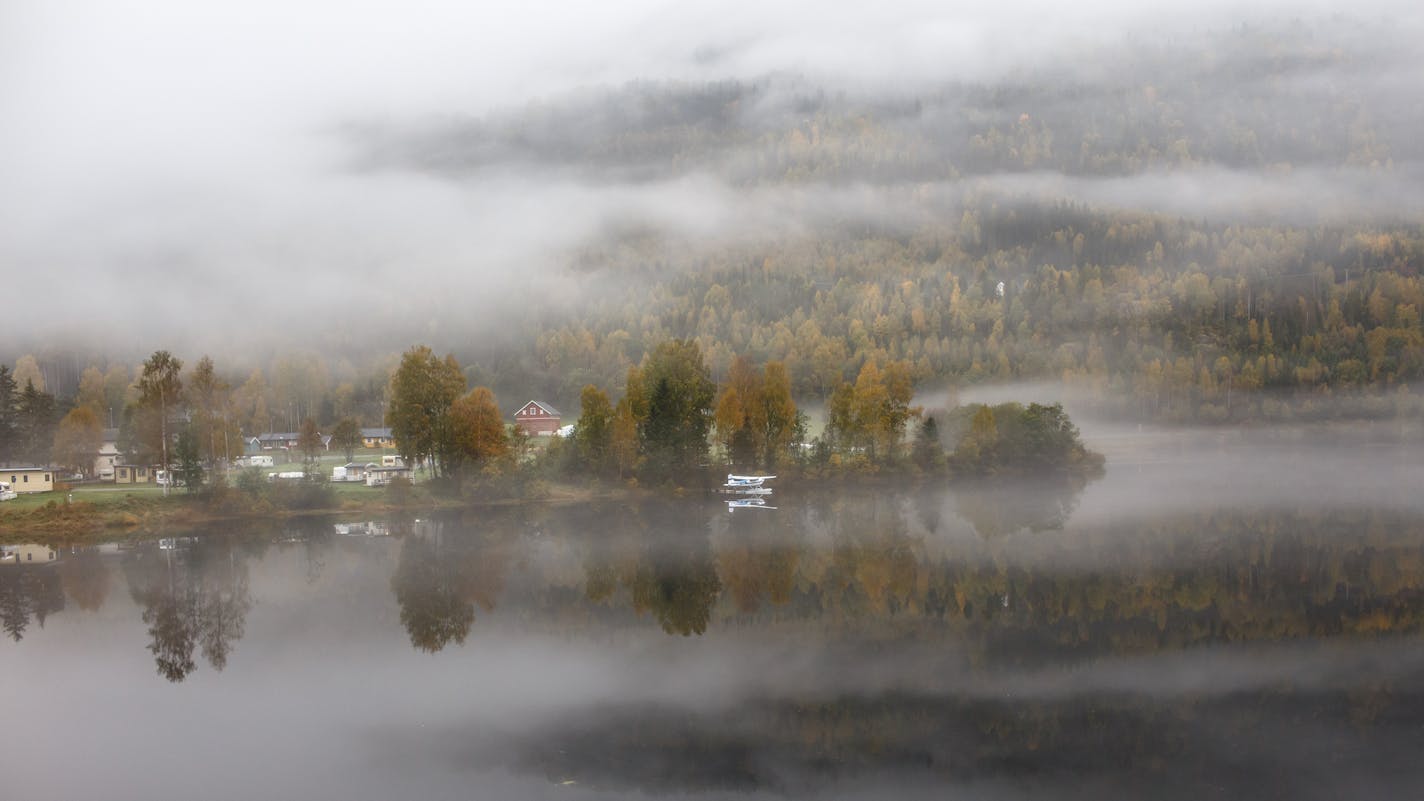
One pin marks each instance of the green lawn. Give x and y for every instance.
(97, 494)
(105, 494)
(326, 461)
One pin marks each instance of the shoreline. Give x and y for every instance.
(83, 521)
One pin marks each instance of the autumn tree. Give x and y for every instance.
(119, 391)
(730, 421)
(623, 438)
(346, 435)
(209, 399)
(78, 439)
(309, 442)
(593, 433)
(842, 429)
(27, 370)
(253, 410)
(782, 424)
(474, 433)
(159, 391)
(421, 391)
(91, 392)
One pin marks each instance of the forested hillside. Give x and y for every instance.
(1222, 226)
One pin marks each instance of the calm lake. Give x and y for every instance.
(1220, 616)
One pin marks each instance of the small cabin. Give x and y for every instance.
(28, 479)
(351, 471)
(278, 440)
(381, 476)
(377, 438)
(132, 474)
(538, 418)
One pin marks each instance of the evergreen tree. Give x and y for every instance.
(8, 413)
(36, 420)
(189, 458)
(680, 392)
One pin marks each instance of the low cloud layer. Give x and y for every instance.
(266, 170)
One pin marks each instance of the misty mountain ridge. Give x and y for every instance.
(1248, 99)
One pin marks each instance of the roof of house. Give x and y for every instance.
(546, 408)
(27, 469)
(375, 433)
(271, 436)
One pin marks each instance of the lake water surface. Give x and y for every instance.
(1218, 617)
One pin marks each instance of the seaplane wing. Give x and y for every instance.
(747, 479)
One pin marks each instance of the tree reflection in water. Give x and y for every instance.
(86, 578)
(194, 595)
(427, 587)
(868, 564)
(997, 509)
(28, 593)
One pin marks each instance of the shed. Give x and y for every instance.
(28, 479)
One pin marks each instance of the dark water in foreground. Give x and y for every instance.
(1225, 628)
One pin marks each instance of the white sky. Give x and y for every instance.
(162, 162)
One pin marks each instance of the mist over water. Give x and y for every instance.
(548, 192)
(1148, 632)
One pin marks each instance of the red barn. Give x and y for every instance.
(537, 418)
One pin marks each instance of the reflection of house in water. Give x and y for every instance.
(368, 528)
(27, 554)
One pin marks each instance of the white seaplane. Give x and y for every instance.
(737, 482)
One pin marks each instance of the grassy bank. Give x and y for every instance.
(108, 512)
